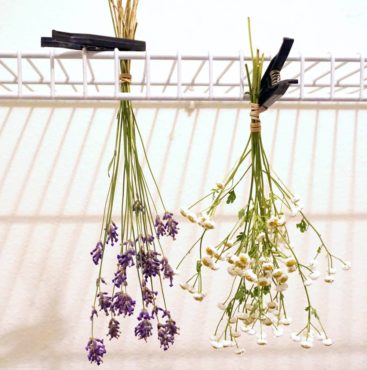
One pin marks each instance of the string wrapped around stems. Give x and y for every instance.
(257, 252)
(141, 228)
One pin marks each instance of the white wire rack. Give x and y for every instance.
(81, 75)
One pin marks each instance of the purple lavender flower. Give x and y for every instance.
(114, 329)
(149, 263)
(160, 227)
(96, 349)
(122, 304)
(166, 333)
(104, 302)
(120, 277)
(171, 225)
(144, 329)
(149, 239)
(127, 259)
(93, 313)
(97, 253)
(167, 270)
(112, 234)
(124, 260)
(148, 295)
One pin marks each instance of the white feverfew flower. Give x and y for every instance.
(207, 261)
(228, 343)
(216, 344)
(315, 275)
(242, 316)
(251, 331)
(208, 225)
(184, 286)
(277, 273)
(228, 243)
(307, 282)
(307, 344)
(262, 341)
(184, 211)
(239, 351)
(191, 216)
(221, 306)
(332, 271)
(290, 261)
(295, 337)
(231, 270)
(233, 320)
(327, 342)
(329, 279)
(313, 264)
(347, 266)
(278, 332)
(285, 321)
(199, 296)
(282, 287)
(236, 334)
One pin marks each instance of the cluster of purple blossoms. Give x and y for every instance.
(166, 226)
(104, 302)
(149, 263)
(144, 329)
(112, 234)
(114, 329)
(167, 332)
(122, 304)
(96, 350)
(167, 270)
(125, 260)
(148, 295)
(97, 253)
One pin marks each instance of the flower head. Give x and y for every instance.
(144, 329)
(149, 263)
(167, 270)
(96, 350)
(114, 329)
(97, 253)
(160, 228)
(122, 304)
(112, 234)
(104, 302)
(166, 333)
(148, 295)
(170, 225)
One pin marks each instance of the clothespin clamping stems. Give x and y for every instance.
(79, 41)
(271, 87)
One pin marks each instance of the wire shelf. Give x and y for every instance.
(80, 75)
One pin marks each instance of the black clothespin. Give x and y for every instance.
(79, 41)
(271, 87)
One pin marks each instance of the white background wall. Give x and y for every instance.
(53, 161)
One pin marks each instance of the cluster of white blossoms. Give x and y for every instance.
(260, 263)
(203, 219)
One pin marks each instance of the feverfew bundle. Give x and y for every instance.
(257, 253)
(138, 247)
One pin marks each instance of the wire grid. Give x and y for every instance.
(82, 75)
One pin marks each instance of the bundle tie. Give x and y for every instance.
(125, 78)
(255, 117)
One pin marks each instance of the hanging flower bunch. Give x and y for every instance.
(135, 243)
(257, 252)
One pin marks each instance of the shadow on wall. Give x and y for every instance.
(53, 183)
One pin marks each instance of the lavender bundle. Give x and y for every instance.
(257, 252)
(141, 228)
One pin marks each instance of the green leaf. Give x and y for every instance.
(256, 292)
(241, 293)
(314, 312)
(241, 213)
(302, 226)
(231, 197)
(229, 308)
(198, 266)
(266, 290)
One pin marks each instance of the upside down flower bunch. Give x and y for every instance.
(141, 229)
(257, 252)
